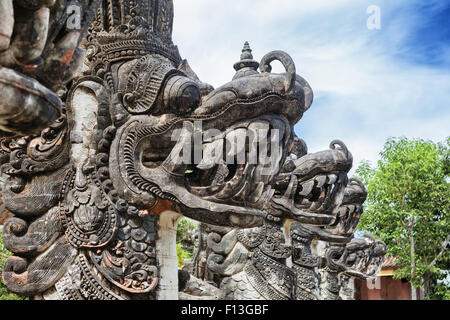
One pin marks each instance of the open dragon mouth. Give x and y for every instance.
(239, 172)
(228, 173)
(346, 209)
(313, 189)
(321, 193)
(239, 165)
(351, 209)
(244, 137)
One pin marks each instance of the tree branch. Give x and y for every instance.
(444, 248)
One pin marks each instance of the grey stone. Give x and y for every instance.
(97, 182)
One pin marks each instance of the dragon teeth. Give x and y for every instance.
(307, 188)
(332, 178)
(258, 192)
(321, 181)
(242, 194)
(351, 208)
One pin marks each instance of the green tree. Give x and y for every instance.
(185, 244)
(408, 208)
(185, 230)
(182, 255)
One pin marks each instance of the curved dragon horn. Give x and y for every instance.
(288, 64)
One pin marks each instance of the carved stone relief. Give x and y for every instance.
(99, 170)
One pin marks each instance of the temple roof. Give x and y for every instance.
(391, 262)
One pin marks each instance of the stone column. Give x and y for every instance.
(166, 256)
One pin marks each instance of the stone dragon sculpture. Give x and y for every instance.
(315, 263)
(102, 159)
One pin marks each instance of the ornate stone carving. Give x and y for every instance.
(317, 263)
(138, 139)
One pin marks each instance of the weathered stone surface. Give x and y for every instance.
(6, 23)
(39, 54)
(141, 141)
(26, 106)
(316, 263)
(196, 289)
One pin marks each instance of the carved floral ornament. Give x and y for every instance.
(139, 135)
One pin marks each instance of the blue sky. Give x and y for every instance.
(368, 84)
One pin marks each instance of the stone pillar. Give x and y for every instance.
(166, 256)
(85, 109)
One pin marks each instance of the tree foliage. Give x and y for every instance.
(185, 230)
(182, 255)
(408, 206)
(185, 244)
